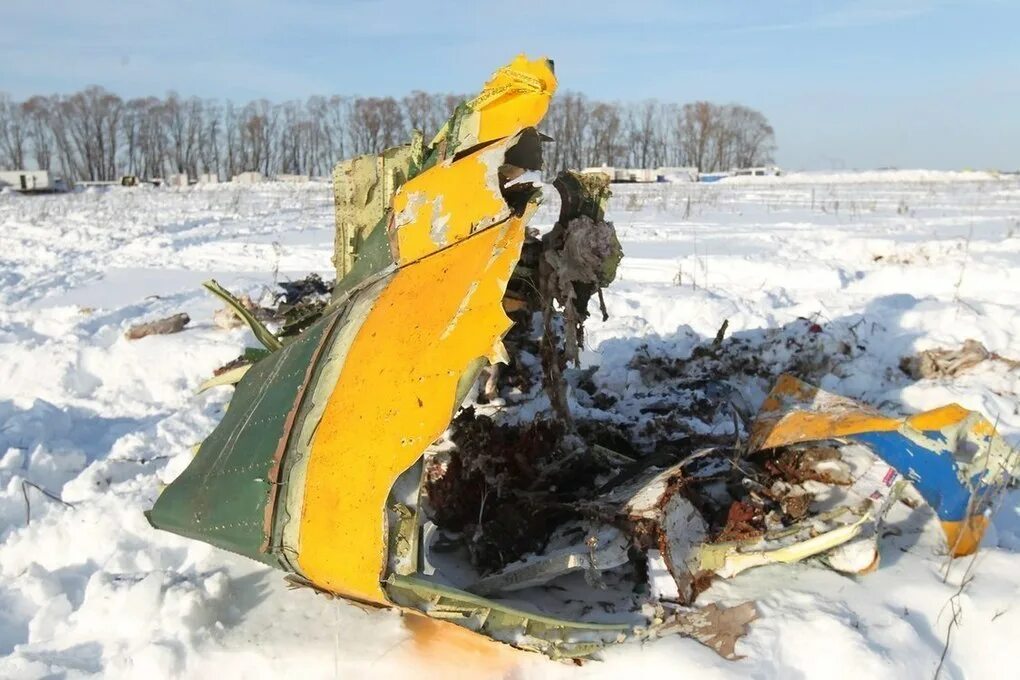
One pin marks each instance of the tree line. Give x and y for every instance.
(96, 135)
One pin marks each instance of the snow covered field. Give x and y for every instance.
(908, 261)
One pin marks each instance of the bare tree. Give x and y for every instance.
(37, 113)
(646, 142)
(606, 147)
(13, 133)
(419, 110)
(754, 139)
(89, 123)
(697, 121)
(375, 123)
(93, 134)
(209, 153)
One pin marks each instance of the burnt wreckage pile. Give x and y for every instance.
(420, 434)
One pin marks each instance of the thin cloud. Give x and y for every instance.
(859, 14)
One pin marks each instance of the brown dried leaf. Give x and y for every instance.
(716, 626)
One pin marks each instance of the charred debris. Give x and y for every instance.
(421, 433)
(650, 501)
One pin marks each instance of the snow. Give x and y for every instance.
(905, 260)
(870, 176)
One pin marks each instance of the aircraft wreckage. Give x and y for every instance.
(324, 465)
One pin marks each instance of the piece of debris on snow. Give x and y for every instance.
(226, 318)
(715, 626)
(953, 457)
(171, 324)
(300, 304)
(948, 363)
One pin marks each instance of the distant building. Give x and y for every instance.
(604, 170)
(208, 178)
(643, 175)
(90, 183)
(646, 175)
(248, 178)
(676, 174)
(31, 181)
(763, 171)
(293, 179)
(180, 180)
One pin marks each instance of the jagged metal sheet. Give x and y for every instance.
(952, 456)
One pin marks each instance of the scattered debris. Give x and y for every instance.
(703, 395)
(952, 456)
(716, 512)
(948, 363)
(227, 318)
(558, 533)
(171, 324)
(247, 312)
(716, 627)
(300, 304)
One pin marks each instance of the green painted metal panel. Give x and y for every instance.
(222, 496)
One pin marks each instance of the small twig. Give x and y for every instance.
(278, 252)
(48, 494)
(139, 461)
(963, 267)
(954, 602)
(1011, 364)
(853, 328)
(602, 305)
(721, 333)
(968, 575)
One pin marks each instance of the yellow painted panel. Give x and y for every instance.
(446, 204)
(788, 388)
(938, 418)
(965, 536)
(432, 321)
(795, 411)
(517, 96)
(805, 426)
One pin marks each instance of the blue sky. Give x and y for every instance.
(868, 83)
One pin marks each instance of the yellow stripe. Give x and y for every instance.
(448, 203)
(517, 96)
(938, 418)
(792, 414)
(965, 536)
(805, 426)
(394, 397)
